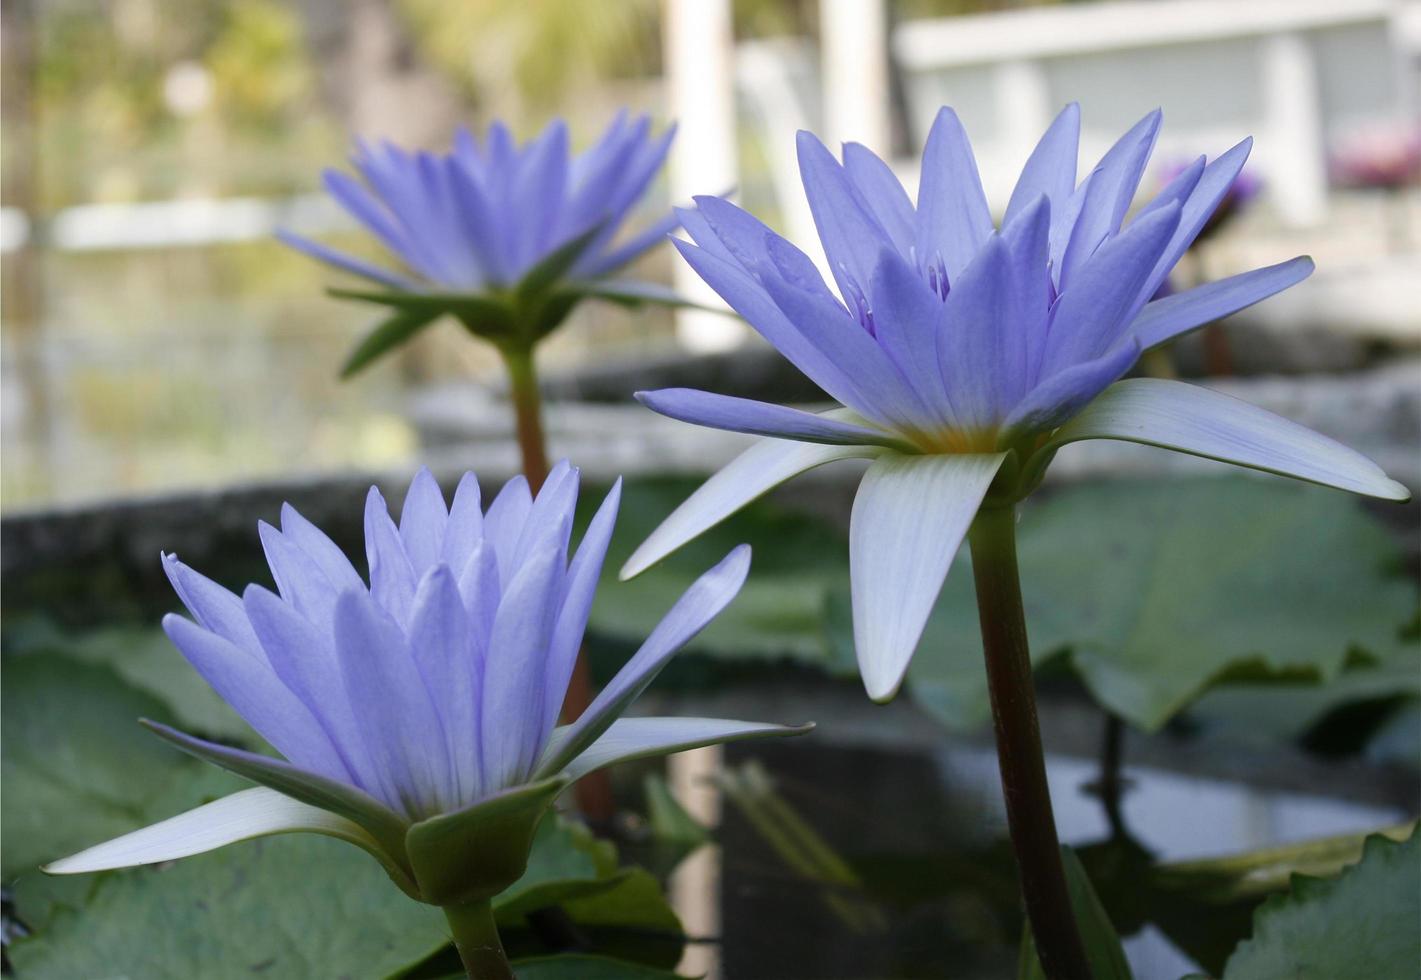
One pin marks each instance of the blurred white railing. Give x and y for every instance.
(1300, 75)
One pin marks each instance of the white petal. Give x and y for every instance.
(909, 516)
(1190, 419)
(635, 738)
(256, 812)
(759, 469)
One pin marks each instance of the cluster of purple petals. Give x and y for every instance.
(486, 213)
(965, 334)
(440, 682)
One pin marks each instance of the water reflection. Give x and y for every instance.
(922, 833)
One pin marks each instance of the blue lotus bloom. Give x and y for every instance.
(505, 237)
(964, 355)
(428, 699)
(484, 215)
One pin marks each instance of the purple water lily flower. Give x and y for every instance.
(965, 355)
(505, 237)
(416, 716)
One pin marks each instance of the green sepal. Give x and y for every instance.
(385, 826)
(473, 854)
(491, 315)
(386, 336)
(546, 274)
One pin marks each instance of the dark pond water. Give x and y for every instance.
(863, 862)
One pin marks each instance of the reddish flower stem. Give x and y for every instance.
(1019, 753)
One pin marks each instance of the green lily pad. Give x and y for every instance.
(1159, 590)
(1271, 712)
(1361, 924)
(77, 767)
(282, 907)
(148, 661)
(779, 613)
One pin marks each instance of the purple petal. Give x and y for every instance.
(760, 418)
(1165, 319)
(246, 681)
(907, 316)
(878, 185)
(304, 659)
(540, 190)
(347, 262)
(749, 298)
(1210, 189)
(392, 579)
(702, 233)
(1057, 398)
(582, 577)
(423, 519)
(1097, 307)
(851, 235)
(1113, 185)
(352, 196)
(549, 521)
(909, 516)
(882, 391)
(320, 549)
(465, 528)
(511, 716)
(480, 589)
(299, 579)
(1027, 237)
(214, 607)
(979, 348)
(607, 262)
(1051, 168)
(701, 603)
(953, 218)
(397, 717)
(503, 523)
(441, 641)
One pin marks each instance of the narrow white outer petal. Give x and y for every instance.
(909, 517)
(257, 812)
(635, 738)
(759, 469)
(1190, 419)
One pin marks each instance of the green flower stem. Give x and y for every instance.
(1019, 754)
(594, 791)
(476, 939)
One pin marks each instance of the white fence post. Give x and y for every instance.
(1298, 183)
(700, 81)
(854, 68)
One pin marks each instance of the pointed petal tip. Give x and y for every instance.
(1396, 491)
(882, 689)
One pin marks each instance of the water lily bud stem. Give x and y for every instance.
(593, 793)
(1019, 754)
(476, 939)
